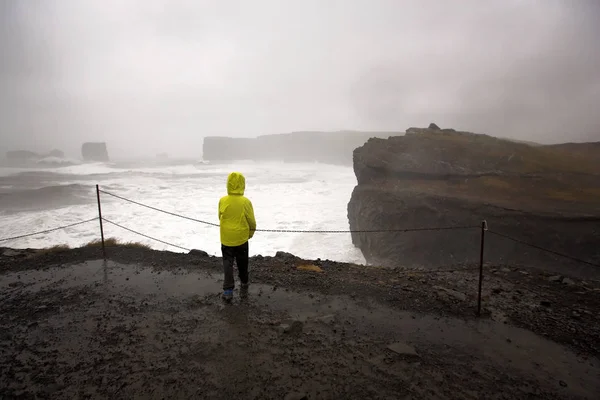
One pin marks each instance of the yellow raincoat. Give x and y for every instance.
(236, 214)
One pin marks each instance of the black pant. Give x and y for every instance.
(240, 254)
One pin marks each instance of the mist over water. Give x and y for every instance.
(285, 196)
(154, 76)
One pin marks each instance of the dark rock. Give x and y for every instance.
(22, 155)
(25, 158)
(568, 281)
(452, 293)
(327, 319)
(96, 152)
(402, 349)
(291, 327)
(434, 127)
(555, 278)
(12, 253)
(562, 383)
(545, 303)
(56, 153)
(283, 254)
(198, 253)
(437, 178)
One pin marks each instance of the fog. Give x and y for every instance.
(151, 76)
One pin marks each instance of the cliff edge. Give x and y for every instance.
(431, 177)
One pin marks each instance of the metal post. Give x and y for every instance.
(100, 219)
(483, 229)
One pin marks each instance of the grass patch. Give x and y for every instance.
(54, 249)
(114, 242)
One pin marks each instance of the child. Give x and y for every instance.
(237, 224)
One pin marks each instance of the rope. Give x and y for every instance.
(48, 230)
(295, 230)
(544, 249)
(368, 231)
(158, 209)
(146, 236)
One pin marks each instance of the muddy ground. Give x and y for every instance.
(149, 324)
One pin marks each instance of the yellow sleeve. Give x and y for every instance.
(249, 211)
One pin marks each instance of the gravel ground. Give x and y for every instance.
(149, 324)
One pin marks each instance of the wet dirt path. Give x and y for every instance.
(109, 330)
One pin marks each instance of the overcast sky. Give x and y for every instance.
(148, 76)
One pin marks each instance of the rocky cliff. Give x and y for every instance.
(26, 158)
(325, 147)
(547, 195)
(96, 152)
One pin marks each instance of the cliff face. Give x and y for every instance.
(30, 158)
(325, 147)
(96, 152)
(546, 195)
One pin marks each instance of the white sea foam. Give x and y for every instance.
(285, 196)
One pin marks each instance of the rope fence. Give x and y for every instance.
(48, 230)
(144, 235)
(483, 227)
(556, 253)
(292, 230)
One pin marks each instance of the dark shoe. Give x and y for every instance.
(244, 290)
(227, 295)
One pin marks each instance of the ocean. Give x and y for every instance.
(285, 197)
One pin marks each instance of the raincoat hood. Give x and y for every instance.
(236, 184)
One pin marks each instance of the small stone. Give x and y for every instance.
(283, 254)
(563, 383)
(545, 303)
(11, 253)
(293, 327)
(568, 281)
(555, 278)
(198, 253)
(576, 315)
(453, 293)
(505, 269)
(402, 349)
(326, 318)
(497, 290)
